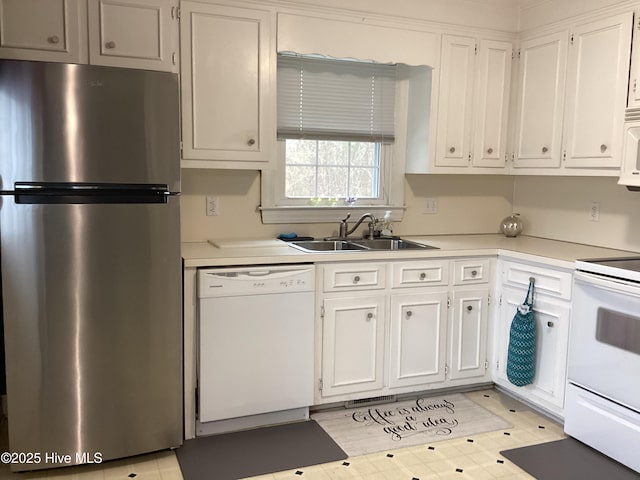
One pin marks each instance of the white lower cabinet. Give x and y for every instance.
(353, 344)
(417, 338)
(468, 334)
(400, 327)
(552, 309)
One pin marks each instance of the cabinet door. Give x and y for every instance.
(633, 99)
(552, 338)
(597, 76)
(417, 338)
(133, 33)
(468, 347)
(453, 143)
(492, 104)
(46, 30)
(353, 338)
(540, 101)
(226, 71)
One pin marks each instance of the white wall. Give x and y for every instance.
(492, 14)
(466, 204)
(539, 13)
(559, 208)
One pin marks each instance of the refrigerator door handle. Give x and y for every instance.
(79, 193)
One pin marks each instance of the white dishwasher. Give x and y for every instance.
(255, 340)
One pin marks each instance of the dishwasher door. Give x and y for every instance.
(255, 341)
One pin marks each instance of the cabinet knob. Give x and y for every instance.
(489, 150)
(369, 316)
(469, 307)
(423, 276)
(452, 149)
(53, 39)
(251, 142)
(356, 279)
(545, 149)
(550, 324)
(409, 313)
(603, 148)
(110, 44)
(474, 273)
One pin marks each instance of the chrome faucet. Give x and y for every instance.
(345, 231)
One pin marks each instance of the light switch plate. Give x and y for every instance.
(430, 206)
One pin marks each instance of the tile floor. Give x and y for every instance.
(475, 458)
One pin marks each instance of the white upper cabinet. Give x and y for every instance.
(633, 98)
(135, 33)
(538, 140)
(491, 110)
(453, 143)
(228, 113)
(598, 71)
(119, 33)
(473, 104)
(572, 96)
(46, 30)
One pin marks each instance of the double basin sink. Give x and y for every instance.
(341, 245)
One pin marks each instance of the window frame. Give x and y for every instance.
(275, 209)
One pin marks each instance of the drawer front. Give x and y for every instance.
(420, 274)
(471, 271)
(547, 280)
(342, 277)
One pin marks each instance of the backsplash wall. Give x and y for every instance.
(466, 204)
(560, 208)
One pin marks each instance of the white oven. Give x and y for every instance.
(603, 393)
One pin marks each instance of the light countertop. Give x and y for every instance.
(269, 251)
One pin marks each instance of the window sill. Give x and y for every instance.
(322, 214)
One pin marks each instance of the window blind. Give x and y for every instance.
(327, 99)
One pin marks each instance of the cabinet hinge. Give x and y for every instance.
(513, 54)
(635, 84)
(518, 53)
(497, 364)
(469, 157)
(475, 49)
(564, 156)
(322, 311)
(500, 300)
(173, 58)
(446, 369)
(571, 39)
(489, 299)
(175, 13)
(513, 157)
(486, 364)
(448, 302)
(320, 384)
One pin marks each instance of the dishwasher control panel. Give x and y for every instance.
(255, 280)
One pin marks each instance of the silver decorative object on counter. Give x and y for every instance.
(512, 225)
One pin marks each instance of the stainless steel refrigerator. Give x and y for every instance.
(91, 266)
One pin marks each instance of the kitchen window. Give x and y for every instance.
(336, 134)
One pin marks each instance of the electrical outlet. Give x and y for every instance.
(595, 212)
(213, 206)
(430, 205)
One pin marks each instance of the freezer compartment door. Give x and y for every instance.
(86, 123)
(93, 327)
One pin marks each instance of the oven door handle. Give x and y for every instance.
(612, 284)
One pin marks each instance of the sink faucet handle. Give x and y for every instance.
(343, 226)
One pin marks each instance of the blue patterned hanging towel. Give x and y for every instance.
(521, 357)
